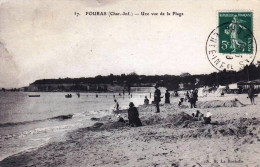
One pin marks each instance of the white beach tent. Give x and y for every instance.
(233, 86)
(203, 92)
(220, 89)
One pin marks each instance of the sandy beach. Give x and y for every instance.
(170, 138)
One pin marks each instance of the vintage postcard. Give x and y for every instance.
(129, 83)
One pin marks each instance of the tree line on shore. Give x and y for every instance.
(171, 82)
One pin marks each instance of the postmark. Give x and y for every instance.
(231, 45)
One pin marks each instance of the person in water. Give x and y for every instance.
(167, 97)
(146, 100)
(133, 115)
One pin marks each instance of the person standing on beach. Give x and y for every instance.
(195, 96)
(116, 105)
(193, 99)
(133, 115)
(251, 94)
(157, 98)
(187, 96)
(167, 97)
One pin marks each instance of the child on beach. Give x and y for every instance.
(198, 116)
(146, 100)
(187, 96)
(120, 118)
(180, 101)
(116, 105)
(207, 118)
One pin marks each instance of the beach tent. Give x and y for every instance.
(233, 86)
(220, 89)
(202, 92)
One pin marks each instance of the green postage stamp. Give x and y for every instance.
(235, 32)
(231, 45)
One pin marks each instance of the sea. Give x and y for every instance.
(29, 122)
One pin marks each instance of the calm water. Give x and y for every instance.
(25, 121)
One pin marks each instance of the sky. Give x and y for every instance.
(45, 39)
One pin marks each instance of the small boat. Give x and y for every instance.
(68, 96)
(34, 95)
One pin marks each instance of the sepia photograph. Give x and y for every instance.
(135, 83)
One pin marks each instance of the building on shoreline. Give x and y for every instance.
(83, 87)
(73, 87)
(245, 85)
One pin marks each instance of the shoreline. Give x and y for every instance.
(172, 130)
(25, 150)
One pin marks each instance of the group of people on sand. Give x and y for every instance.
(191, 97)
(157, 97)
(133, 115)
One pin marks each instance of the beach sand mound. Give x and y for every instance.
(175, 120)
(153, 120)
(239, 128)
(179, 119)
(106, 126)
(219, 103)
(113, 125)
(107, 118)
(183, 106)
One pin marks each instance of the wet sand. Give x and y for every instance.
(170, 138)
